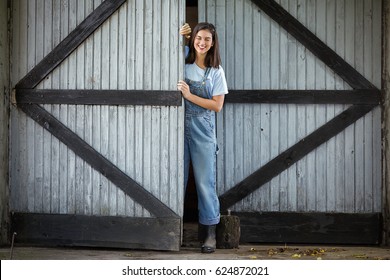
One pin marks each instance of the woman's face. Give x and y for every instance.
(203, 41)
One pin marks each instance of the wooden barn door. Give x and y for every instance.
(96, 133)
(300, 133)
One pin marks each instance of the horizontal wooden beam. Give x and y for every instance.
(70, 43)
(97, 231)
(314, 44)
(284, 160)
(173, 98)
(99, 97)
(363, 96)
(83, 150)
(319, 228)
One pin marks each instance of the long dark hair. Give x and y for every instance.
(213, 58)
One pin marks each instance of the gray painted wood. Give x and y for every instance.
(4, 121)
(342, 175)
(386, 119)
(143, 141)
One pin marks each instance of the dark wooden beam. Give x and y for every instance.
(318, 228)
(314, 44)
(70, 43)
(97, 161)
(99, 97)
(362, 96)
(292, 155)
(102, 231)
(173, 98)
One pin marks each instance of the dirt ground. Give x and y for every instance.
(244, 252)
(191, 251)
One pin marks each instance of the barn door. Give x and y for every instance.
(96, 135)
(300, 134)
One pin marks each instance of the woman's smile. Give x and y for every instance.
(203, 41)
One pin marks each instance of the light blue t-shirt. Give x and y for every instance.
(216, 78)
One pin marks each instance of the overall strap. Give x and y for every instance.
(206, 73)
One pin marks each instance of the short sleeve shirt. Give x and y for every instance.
(216, 79)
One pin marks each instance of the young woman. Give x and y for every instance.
(204, 90)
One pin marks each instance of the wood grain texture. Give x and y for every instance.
(99, 97)
(255, 127)
(97, 231)
(142, 138)
(98, 162)
(292, 155)
(314, 228)
(70, 43)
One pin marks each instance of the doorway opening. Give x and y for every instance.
(191, 198)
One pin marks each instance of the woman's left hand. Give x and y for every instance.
(184, 88)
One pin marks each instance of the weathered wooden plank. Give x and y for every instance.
(349, 148)
(272, 197)
(130, 162)
(139, 133)
(113, 121)
(322, 228)
(88, 128)
(304, 96)
(4, 122)
(97, 161)
(228, 111)
(177, 119)
(150, 176)
(79, 111)
(99, 97)
(330, 83)
(320, 112)
(315, 45)
(121, 84)
(339, 149)
(368, 123)
(359, 133)
(310, 115)
(69, 44)
(101, 231)
(103, 138)
(50, 160)
(377, 75)
(292, 58)
(292, 155)
(279, 193)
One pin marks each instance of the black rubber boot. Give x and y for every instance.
(210, 241)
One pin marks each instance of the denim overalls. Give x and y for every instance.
(200, 147)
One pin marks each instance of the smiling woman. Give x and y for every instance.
(204, 91)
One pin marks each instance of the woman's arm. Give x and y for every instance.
(214, 104)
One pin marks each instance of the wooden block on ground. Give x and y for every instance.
(228, 232)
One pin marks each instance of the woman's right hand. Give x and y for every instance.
(184, 88)
(185, 30)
